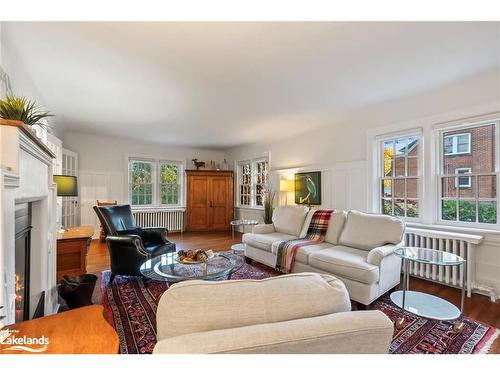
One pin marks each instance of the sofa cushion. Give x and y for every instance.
(183, 308)
(367, 231)
(345, 262)
(289, 219)
(265, 241)
(335, 226)
(303, 252)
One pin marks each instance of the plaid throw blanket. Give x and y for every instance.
(315, 234)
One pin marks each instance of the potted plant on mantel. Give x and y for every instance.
(16, 111)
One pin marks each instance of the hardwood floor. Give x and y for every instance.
(477, 307)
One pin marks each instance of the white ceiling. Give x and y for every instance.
(219, 85)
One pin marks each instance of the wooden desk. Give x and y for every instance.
(72, 249)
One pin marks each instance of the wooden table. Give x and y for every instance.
(79, 331)
(72, 249)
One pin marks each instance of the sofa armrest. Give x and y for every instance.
(263, 229)
(376, 255)
(338, 333)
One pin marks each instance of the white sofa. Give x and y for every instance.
(297, 313)
(358, 248)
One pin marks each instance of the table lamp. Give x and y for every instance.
(286, 186)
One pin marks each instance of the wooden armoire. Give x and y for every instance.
(209, 200)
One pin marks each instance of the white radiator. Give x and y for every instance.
(463, 245)
(172, 220)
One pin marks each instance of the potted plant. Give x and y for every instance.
(269, 196)
(16, 111)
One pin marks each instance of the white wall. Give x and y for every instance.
(340, 149)
(103, 165)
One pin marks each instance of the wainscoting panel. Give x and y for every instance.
(96, 185)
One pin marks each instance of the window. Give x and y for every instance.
(169, 183)
(252, 181)
(141, 182)
(399, 176)
(457, 144)
(473, 198)
(155, 183)
(463, 182)
(245, 186)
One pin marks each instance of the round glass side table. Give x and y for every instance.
(239, 248)
(423, 304)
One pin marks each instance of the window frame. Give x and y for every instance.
(253, 181)
(380, 140)
(454, 145)
(439, 135)
(155, 180)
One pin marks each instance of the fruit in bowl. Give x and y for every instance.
(194, 256)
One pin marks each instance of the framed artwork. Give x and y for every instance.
(308, 188)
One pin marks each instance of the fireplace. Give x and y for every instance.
(22, 261)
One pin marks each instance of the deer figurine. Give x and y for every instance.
(198, 164)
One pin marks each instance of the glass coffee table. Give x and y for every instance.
(167, 268)
(423, 304)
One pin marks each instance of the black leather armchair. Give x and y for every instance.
(129, 245)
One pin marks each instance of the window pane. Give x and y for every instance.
(387, 206)
(487, 186)
(466, 186)
(467, 211)
(448, 187)
(488, 212)
(400, 146)
(399, 207)
(412, 188)
(449, 210)
(387, 188)
(388, 155)
(399, 188)
(412, 169)
(168, 173)
(412, 208)
(399, 167)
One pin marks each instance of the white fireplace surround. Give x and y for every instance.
(26, 176)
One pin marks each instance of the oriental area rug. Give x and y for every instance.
(130, 306)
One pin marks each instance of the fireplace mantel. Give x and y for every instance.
(26, 176)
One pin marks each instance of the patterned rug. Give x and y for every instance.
(130, 306)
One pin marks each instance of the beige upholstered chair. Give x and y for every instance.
(297, 313)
